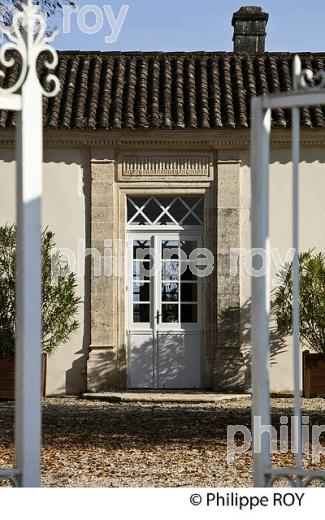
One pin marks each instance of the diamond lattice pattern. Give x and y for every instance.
(165, 211)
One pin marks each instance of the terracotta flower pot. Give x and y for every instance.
(7, 377)
(314, 374)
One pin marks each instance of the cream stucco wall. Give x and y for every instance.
(63, 212)
(66, 211)
(312, 214)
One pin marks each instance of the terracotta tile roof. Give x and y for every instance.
(168, 90)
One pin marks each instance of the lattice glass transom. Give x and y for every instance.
(165, 211)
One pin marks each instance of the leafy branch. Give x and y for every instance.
(59, 301)
(312, 300)
(50, 7)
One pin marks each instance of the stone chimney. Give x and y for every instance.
(249, 29)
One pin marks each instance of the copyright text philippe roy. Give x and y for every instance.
(248, 502)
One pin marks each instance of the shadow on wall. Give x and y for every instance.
(178, 365)
(76, 376)
(176, 360)
(233, 353)
(102, 370)
(57, 155)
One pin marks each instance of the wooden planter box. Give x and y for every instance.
(314, 374)
(7, 377)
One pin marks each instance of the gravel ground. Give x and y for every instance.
(98, 444)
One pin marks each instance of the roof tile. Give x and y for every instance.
(167, 90)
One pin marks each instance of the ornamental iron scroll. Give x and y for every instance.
(305, 78)
(27, 37)
(304, 94)
(26, 41)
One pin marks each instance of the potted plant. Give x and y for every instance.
(312, 317)
(59, 305)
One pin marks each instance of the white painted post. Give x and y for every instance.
(28, 287)
(27, 37)
(260, 137)
(296, 288)
(154, 308)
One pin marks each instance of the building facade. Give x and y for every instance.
(148, 153)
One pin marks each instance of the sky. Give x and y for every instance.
(188, 25)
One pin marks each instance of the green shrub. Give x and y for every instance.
(312, 300)
(59, 305)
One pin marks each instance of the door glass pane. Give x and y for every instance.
(188, 246)
(170, 313)
(199, 210)
(141, 313)
(172, 211)
(170, 250)
(191, 220)
(192, 202)
(166, 220)
(169, 292)
(132, 210)
(141, 270)
(170, 270)
(140, 220)
(165, 202)
(178, 210)
(189, 292)
(152, 210)
(188, 313)
(141, 250)
(186, 272)
(141, 292)
(178, 298)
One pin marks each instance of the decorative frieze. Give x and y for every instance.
(166, 141)
(161, 166)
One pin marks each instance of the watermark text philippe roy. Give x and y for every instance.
(88, 19)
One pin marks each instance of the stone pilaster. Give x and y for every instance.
(228, 357)
(102, 363)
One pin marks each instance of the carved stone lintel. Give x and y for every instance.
(164, 165)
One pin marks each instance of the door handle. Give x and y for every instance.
(158, 317)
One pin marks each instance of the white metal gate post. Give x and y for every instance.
(302, 95)
(28, 38)
(260, 145)
(295, 267)
(29, 156)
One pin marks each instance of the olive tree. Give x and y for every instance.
(59, 300)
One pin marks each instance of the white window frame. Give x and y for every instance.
(151, 236)
(165, 210)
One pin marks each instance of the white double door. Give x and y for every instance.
(164, 311)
